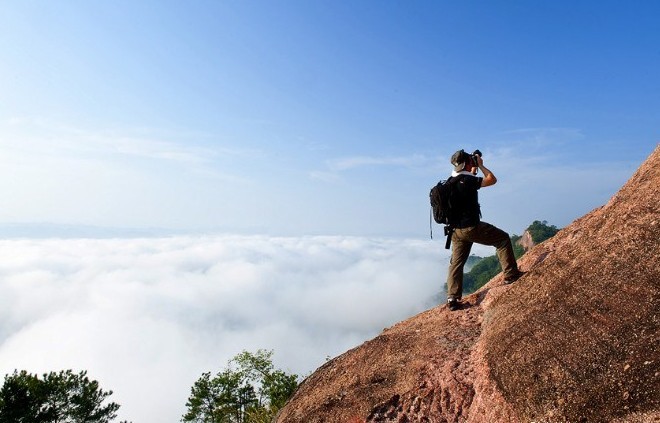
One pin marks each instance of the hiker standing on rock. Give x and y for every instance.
(468, 227)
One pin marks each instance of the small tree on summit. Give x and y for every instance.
(540, 231)
(250, 390)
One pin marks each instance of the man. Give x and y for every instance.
(468, 227)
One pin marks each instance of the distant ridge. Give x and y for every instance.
(575, 340)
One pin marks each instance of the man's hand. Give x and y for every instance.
(489, 178)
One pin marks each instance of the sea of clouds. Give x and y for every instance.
(147, 316)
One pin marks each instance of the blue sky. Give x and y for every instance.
(309, 117)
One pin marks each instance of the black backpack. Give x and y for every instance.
(443, 208)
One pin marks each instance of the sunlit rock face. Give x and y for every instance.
(575, 339)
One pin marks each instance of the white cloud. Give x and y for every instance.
(146, 317)
(324, 176)
(540, 137)
(347, 163)
(335, 167)
(30, 136)
(134, 178)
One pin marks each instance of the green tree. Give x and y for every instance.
(63, 397)
(540, 231)
(249, 390)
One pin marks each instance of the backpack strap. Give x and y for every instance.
(449, 229)
(431, 221)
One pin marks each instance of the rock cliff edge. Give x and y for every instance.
(575, 340)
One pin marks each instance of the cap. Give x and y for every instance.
(458, 159)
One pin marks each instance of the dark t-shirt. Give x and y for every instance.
(469, 211)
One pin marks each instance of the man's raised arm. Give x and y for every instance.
(489, 178)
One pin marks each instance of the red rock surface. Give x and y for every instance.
(575, 340)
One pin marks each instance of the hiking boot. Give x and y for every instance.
(513, 278)
(454, 304)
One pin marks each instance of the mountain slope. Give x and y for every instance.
(579, 338)
(575, 339)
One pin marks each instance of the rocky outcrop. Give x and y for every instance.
(575, 340)
(526, 241)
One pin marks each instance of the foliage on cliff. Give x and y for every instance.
(540, 231)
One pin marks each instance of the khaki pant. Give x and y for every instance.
(462, 240)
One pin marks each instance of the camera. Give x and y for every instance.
(473, 158)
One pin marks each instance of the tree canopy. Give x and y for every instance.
(63, 397)
(249, 390)
(540, 231)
